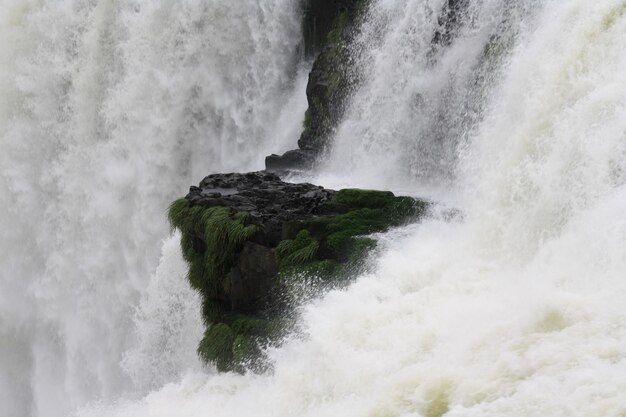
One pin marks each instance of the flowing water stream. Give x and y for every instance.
(110, 109)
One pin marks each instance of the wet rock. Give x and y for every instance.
(252, 277)
(250, 239)
(269, 202)
(297, 159)
(330, 26)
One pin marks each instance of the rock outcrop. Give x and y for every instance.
(329, 28)
(319, 19)
(249, 238)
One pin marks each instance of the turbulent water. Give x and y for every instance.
(513, 308)
(110, 110)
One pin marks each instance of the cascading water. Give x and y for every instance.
(420, 98)
(512, 309)
(109, 110)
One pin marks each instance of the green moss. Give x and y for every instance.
(306, 124)
(320, 271)
(211, 238)
(224, 233)
(298, 251)
(251, 326)
(321, 19)
(245, 351)
(332, 66)
(360, 247)
(336, 35)
(178, 211)
(216, 346)
(332, 245)
(236, 344)
(350, 198)
(213, 311)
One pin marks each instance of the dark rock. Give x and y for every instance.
(330, 80)
(251, 278)
(320, 18)
(296, 159)
(270, 202)
(249, 239)
(331, 26)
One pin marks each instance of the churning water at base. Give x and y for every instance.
(513, 309)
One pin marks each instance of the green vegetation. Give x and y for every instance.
(306, 124)
(329, 246)
(332, 245)
(211, 237)
(298, 251)
(216, 346)
(236, 344)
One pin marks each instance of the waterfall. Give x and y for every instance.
(110, 110)
(419, 99)
(515, 115)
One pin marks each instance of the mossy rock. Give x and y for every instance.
(329, 28)
(248, 248)
(333, 244)
(237, 344)
(217, 346)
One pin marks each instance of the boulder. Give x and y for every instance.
(249, 239)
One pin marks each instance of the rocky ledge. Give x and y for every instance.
(249, 239)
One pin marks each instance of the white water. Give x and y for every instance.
(417, 102)
(110, 110)
(514, 310)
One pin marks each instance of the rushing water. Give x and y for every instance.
(110, 109)
(514, 308)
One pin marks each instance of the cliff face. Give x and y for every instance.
(329, 28)
(251, 238)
